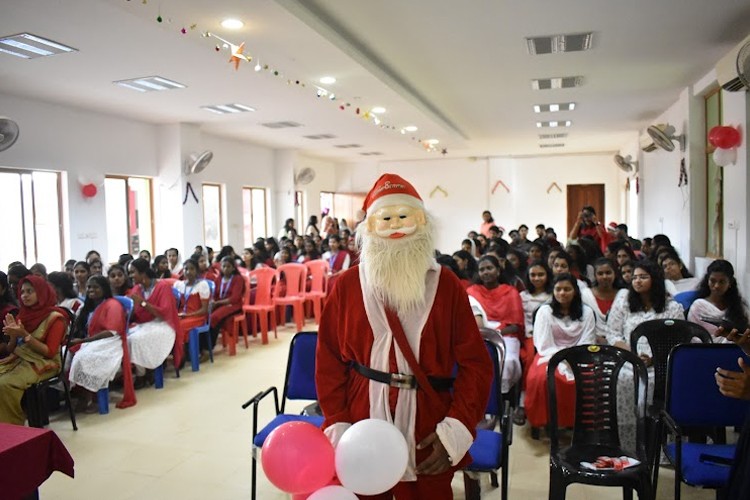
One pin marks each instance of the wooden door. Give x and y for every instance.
(580, 195)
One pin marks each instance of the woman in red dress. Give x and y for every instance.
(194, 296)
(227, 298)
(565, 322)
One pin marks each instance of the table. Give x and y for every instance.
(28, 456)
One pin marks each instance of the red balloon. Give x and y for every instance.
(724, 137)
(298, 458)
(89, 190)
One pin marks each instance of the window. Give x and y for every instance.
(714, 182)
(129, 207)
(299, 211)
(254, 214)
(30, 204)
(326, 204)
(213, 234)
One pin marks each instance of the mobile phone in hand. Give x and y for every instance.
(727, 325)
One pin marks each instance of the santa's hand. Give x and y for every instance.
(439, 461)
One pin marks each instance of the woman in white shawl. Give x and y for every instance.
(719, 299)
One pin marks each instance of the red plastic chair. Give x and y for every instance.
(295, 276)
(265, 279)
(318, 271)
(239, 322)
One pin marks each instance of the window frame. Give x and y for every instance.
(265, 214)
(719, 211)
(61, 222)
(221, 211)
(127, 207)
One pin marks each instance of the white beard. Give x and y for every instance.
(396, 270)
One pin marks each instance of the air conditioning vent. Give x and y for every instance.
(319, 137)
(281, 124)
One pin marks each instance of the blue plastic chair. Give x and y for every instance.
(686, 299)
(490, 449)
(195, 333)
(299, 384)
(102, 395)
(693, 399)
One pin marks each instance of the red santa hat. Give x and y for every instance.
(391, 189)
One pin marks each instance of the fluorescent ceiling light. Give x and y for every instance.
(553, 124)
(556, 44)
(28, 46)
(149, 83)
(411, 128)
(560, 82)
(432, 142)
(232, 24)
(553, 145)
(378, 110)
(327, 80)
(224, 109)
(554, 107)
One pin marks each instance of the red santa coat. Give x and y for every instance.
(442, 336)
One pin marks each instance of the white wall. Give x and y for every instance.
(469, 183)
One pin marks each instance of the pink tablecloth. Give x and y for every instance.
(28, 456)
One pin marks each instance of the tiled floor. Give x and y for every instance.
(191, 440)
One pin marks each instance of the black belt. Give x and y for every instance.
(401, 380)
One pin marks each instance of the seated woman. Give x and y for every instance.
(538, 281)
(563, 264)
(467, 267)
(309, 252)
(719, 298)
(565, 322)
(119, 281)
(227, 298)
(646, 299)
(601, 295)
(81, 273)
(157, 328)
(97, 267)
(626, 272)
(677, 275)
(66, 296)
(161, 267)
(99, 354)
(502, 304)
(34, 345)
(7, 306)
(194, 297)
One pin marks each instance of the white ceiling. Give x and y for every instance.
(460, 71)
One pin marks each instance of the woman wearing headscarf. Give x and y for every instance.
(99, 354)
(34, 345)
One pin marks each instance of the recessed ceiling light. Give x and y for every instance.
(411, 128)
(327, 80)
(432, 142)
(28, 46)
(553, 145)
(561, 82)
(552, 108)
(149, 83)
(232, 24)
(284, 124)
(378, 110)
(223, 109)
(553, 124)
(556, 44)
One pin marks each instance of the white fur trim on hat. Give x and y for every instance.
(395, 199)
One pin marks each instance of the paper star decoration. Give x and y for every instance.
(237, 55)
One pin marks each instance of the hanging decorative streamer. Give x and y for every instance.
(554, 186)
(438, 189)
(683, 174)
(500, 183)
(237, 55)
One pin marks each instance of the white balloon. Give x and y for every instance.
(724, 157)
(333, 493)
(371, 457)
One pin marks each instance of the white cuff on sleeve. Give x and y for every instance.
(455, 437)
(335, 431)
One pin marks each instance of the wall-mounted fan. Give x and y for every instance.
(195, 164)
(304, 176)
(743, 65)
(663, 136)
(8, 133)
(626, 164)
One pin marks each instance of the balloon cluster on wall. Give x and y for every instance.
(725, 140)
(238, 54)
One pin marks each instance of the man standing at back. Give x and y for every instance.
(392, 331)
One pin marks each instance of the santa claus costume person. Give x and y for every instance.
(392, 331)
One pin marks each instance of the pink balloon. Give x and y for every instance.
(298, 458)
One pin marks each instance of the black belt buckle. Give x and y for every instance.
(403, 381)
